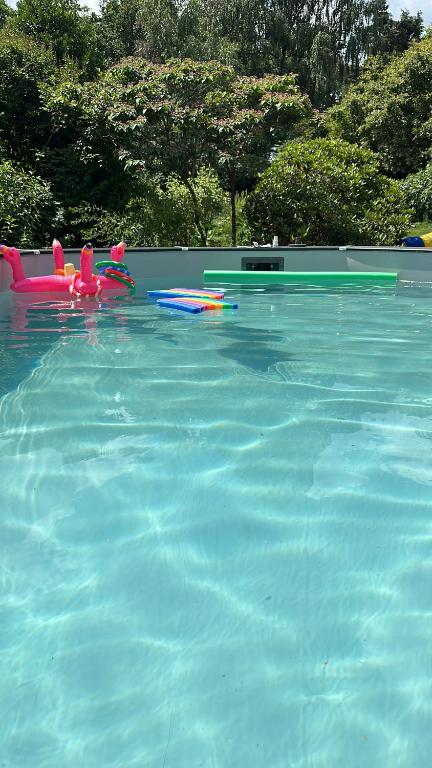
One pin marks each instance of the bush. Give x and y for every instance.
(220, 234)
(158, 215)
(28, 214)
(24, 125)
(328, 192)
(417, 189)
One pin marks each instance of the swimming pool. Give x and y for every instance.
(216, 532)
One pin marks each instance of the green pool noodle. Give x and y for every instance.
(253, 277)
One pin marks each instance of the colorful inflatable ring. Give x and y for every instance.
(117, 269)
(120, 277)
(114, 264)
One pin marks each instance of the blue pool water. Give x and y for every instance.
(216, 532)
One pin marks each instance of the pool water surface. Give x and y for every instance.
(216, 532)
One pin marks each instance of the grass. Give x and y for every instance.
(420, 228)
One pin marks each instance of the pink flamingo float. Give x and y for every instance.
(65, 279)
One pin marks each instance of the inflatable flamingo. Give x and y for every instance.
(83, 283)
(23, 284)
(58, 254)
(118, 251)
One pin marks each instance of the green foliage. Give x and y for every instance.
(325, 42)
(158, 115)
(80, 158)
(259, 114)
(158, 215)
(419, 228)
(5, 12)
(417, 189)
(147, 28)
(177, 117)
(28, 213)
(389, 110)
(65, 28)
(220, 233)
(402, 33)
(24, 65)
(199, 202)
(331, 191)
(387, 218)
(161, 150)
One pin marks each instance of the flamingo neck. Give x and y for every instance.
(58, 254)
(86, 264)
(13, 257)
(114, 253)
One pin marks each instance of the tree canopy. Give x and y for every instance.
(5, 12)
(389, 110)
(24, 67)
(63, 27)
(177, 117)
(325, 42)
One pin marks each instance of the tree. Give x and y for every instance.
(24, 66)
(329, 191)
(210, 199)
(28, 213)
(258, 115)
(156, 214)
(80, 157)
(147, 28)
(118, 27)
(389, 110)
(6, 12)
(172, 119)
(63, 26)
(159, 118)
(387, 35)
(325, 42)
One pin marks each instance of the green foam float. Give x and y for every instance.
(255, 277)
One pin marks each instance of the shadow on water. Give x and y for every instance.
(254, 348)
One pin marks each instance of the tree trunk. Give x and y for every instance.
(282, 61)
(197, 220)
(233, 212)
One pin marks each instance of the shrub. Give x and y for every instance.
(28, 213)
(417, 189)
(24, 125)
(157, 214)
(329, 192)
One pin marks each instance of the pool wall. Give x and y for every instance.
(414, 264)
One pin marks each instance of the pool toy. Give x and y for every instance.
(171, 293)
(425, 241)
(115, 268)
(169, 304)
(85, 283)
(65, 278)
(191, 299)
(311, 278)
(60, 268)
(192, 304)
